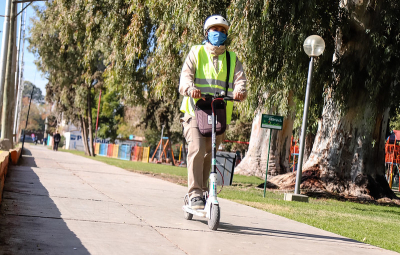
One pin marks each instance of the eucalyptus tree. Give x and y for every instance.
(59, 60)
(126, 41)
(349, 145)
(37, 93)
(355, 81)
(66, 40)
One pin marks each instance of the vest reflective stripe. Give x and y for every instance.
(209, 81)
(221, 84)
(212, 90)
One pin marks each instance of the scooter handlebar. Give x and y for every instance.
(231, 99)
(226, 98)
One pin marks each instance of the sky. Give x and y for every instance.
(30, 71)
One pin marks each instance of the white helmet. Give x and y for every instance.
(215, 20)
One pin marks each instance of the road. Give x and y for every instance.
(59, 203)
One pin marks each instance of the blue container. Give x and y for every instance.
(103, 149)
(124, 152)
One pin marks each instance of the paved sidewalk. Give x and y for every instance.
(59, 203)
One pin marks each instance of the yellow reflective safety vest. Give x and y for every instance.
(209, 81)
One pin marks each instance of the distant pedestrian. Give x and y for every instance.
(57, 139)
(52, 141)
(45, 141)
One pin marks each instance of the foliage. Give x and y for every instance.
(135, 49)
(37, 93)
(161, 112)
(110, 115)
(36, 116)
(370, 61)
(269, 36)
(52, 123)
(131, 125)
(64, 38)
(239, 130)
(395, 121)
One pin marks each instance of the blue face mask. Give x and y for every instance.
(216, 38)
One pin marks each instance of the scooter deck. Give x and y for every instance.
(200, 213)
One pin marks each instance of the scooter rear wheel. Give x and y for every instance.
(213, 222)
(186, 215)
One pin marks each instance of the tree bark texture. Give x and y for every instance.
(347, 157)
(90, 126)
(309, 142)
(84, 135)
(348, 152)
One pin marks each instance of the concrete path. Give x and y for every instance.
(59, 203)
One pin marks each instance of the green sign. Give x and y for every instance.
(272, 121)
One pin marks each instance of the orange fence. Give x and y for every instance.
(392, 156)
(123, 151)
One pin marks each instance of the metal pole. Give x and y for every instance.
(213, 141)
(27, 117)
(4, 48)
(266, 171)
(97, 119)
(304, 128)
(6, 128)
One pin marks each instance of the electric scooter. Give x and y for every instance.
(211, 210)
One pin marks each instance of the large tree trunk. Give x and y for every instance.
(309, 142)
(90, 126)
(348, 152)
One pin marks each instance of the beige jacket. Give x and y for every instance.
(189, 68)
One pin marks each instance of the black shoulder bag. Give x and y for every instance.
(203, 110)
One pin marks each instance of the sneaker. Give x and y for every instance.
(197, 203)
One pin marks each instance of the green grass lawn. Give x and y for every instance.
(369, 223)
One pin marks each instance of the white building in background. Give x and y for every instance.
(72, 134)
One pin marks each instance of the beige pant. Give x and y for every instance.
(199, 156)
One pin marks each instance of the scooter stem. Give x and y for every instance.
(214, 145)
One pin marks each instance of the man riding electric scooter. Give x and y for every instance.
(205, 72)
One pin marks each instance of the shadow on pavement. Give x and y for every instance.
(242, 230)
(228, 228)
(26, 151)
(27, 159)
(30, 222)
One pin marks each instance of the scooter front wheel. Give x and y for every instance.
(213, 222)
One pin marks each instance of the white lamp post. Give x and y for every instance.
(314, 46)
